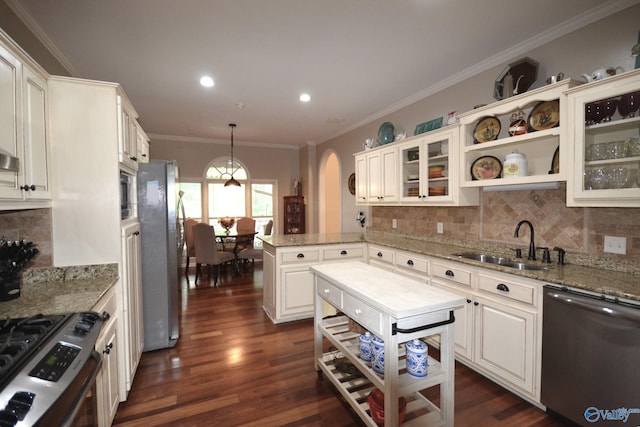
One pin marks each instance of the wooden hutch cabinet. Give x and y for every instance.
(293, 215)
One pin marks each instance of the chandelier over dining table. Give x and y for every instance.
(232, 182)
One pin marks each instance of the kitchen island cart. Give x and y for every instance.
(397, 310)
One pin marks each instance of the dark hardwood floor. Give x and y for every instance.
(233, 367)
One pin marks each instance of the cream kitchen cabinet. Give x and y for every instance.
(484, 143)
(23, 130)
(288, 281)
(379, 183)
(84, 132)
(498, 331)
(131, 321)
(428, 171)
(606, 167)
(127, 135)
(142, 146)
(107, 380)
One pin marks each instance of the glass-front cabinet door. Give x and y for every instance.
(425, 168)
(606, 138)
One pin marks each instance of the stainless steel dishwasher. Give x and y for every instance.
(591, 357)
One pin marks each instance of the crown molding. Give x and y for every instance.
(199, 140)
(42, 36)
(562, 29)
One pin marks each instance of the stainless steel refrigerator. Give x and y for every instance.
(159, 224)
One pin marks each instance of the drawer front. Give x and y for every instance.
(516, 291)
(412, 263)
(311, 255)
(327, 291)
(343, 253)
(451, 273)
(107, 303)
(380, 254)
(366, 316)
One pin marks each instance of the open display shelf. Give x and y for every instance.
(355, 387)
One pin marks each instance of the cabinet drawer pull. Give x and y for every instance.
(28, 187)
(380, 254)
(343, 252)
(136, 233)
(449, 273)
(107, 348)
(502, 287)
(358, 312)
(410, 262)
(300, 256)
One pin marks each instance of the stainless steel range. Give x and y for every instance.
(47, 364)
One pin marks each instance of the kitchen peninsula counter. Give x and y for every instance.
(60, 290)
(596, 275)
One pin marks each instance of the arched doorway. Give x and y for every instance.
(330, 195)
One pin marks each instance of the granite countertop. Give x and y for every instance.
(60, 290)
(579, 271)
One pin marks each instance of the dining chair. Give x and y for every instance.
(268, 228)
(255, 253)
(207, 251)
(245, 225)
(188, 237)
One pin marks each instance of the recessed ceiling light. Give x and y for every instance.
(206, 81)
(305, 97)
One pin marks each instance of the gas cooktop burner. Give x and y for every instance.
(19, 338)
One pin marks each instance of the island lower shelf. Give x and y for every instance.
(355, 385)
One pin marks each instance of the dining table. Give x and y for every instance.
(235, 241)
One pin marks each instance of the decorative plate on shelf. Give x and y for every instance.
(486, 167)
(555, 163)
(545, 115)
(386, 133)
(487, 129)
(352, 183)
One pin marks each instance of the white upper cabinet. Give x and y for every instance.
(23, 133)
(380, 170)
(127, 135)
(487, 136)
(605, 137)
(428, 172)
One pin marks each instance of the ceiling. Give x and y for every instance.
(358, 59)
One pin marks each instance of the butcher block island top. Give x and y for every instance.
(396, 309)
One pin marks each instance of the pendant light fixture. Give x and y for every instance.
(232, 182)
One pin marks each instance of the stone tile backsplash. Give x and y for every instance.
(31, 225)
(579, 231)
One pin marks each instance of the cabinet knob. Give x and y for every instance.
(410, 262)
(107, 348)
(144, 155)
(136, 233)
(449, 273)
(476, 303)
(300, 256)
(28, 187)
(358, 312)
(343, 252)
(379, 254)
(134, 158)
(502, 287)
(326, 291)
(468, 301)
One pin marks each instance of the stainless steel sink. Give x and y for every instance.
(492, 259)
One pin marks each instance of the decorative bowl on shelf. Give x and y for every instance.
(376, 406)
(226, 223)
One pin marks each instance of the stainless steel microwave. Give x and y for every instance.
(127, 195)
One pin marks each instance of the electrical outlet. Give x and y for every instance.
(440, 228)
(394, 223)
(615, 245)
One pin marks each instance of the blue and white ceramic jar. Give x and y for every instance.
(365, 346)
(417, 361)
(377, 355)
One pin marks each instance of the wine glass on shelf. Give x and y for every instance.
(609, 107)
(628, 105)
